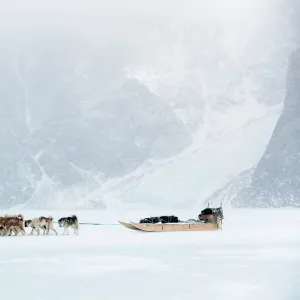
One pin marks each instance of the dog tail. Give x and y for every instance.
(74, 217)
(21, 217)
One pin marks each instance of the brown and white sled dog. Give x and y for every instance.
(46, 224)
(67, 222)
(10, 224)
(2, 225)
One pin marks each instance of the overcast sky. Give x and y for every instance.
(156, 40)
(229, 11)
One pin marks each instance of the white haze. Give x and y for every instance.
(218, 66)
(149, 28)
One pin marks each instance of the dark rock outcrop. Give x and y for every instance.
(276, 180)
(230, 190)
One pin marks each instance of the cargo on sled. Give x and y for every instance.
(209, 219)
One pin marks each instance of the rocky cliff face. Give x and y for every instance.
(66, 121)
(276, 180)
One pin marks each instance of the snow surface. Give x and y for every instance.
(255, 256)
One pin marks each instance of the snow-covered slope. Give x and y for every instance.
(179, 181)
(230, 190)
(192, 176)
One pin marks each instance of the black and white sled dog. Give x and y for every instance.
(67, 222)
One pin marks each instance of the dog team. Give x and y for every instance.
(16, 224)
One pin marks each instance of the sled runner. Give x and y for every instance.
(176, 227)
(129, 225)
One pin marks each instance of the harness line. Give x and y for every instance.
(94, 224)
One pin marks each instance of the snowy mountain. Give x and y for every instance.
(225, 195)
(275, 181)
(104, 111)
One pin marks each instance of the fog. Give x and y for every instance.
(155, 37)
(92, 91)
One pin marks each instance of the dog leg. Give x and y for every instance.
(54, 230)
(23, 231)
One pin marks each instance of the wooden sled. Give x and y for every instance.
(172, 227)
(211, 220)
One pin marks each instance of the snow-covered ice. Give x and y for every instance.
(255, 256)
